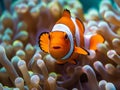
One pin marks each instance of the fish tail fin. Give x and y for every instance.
(95, 40)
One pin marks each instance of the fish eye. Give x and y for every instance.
(66, 36)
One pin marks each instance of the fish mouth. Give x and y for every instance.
(56, 47)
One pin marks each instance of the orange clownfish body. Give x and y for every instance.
(66, 40)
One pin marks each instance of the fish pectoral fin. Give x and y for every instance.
(44, 42)
(81, 51)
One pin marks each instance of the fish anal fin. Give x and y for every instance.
(95, 40)
(72, 61)
(44, 42)
(81, 51)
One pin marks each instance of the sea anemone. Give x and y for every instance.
(23, 66)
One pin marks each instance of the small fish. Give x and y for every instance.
(66, 40)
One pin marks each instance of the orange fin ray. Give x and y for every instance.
(44, 42)
(81, 51)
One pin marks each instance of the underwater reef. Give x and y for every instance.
(23, 66)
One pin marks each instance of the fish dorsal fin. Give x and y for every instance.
(44, 42)
(66, 13)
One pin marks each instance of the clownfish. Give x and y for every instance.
(66, 40)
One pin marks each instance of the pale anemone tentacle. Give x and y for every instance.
(102, 84)
(91, 77)
(87, 40)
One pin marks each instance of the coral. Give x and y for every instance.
(23, 66)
